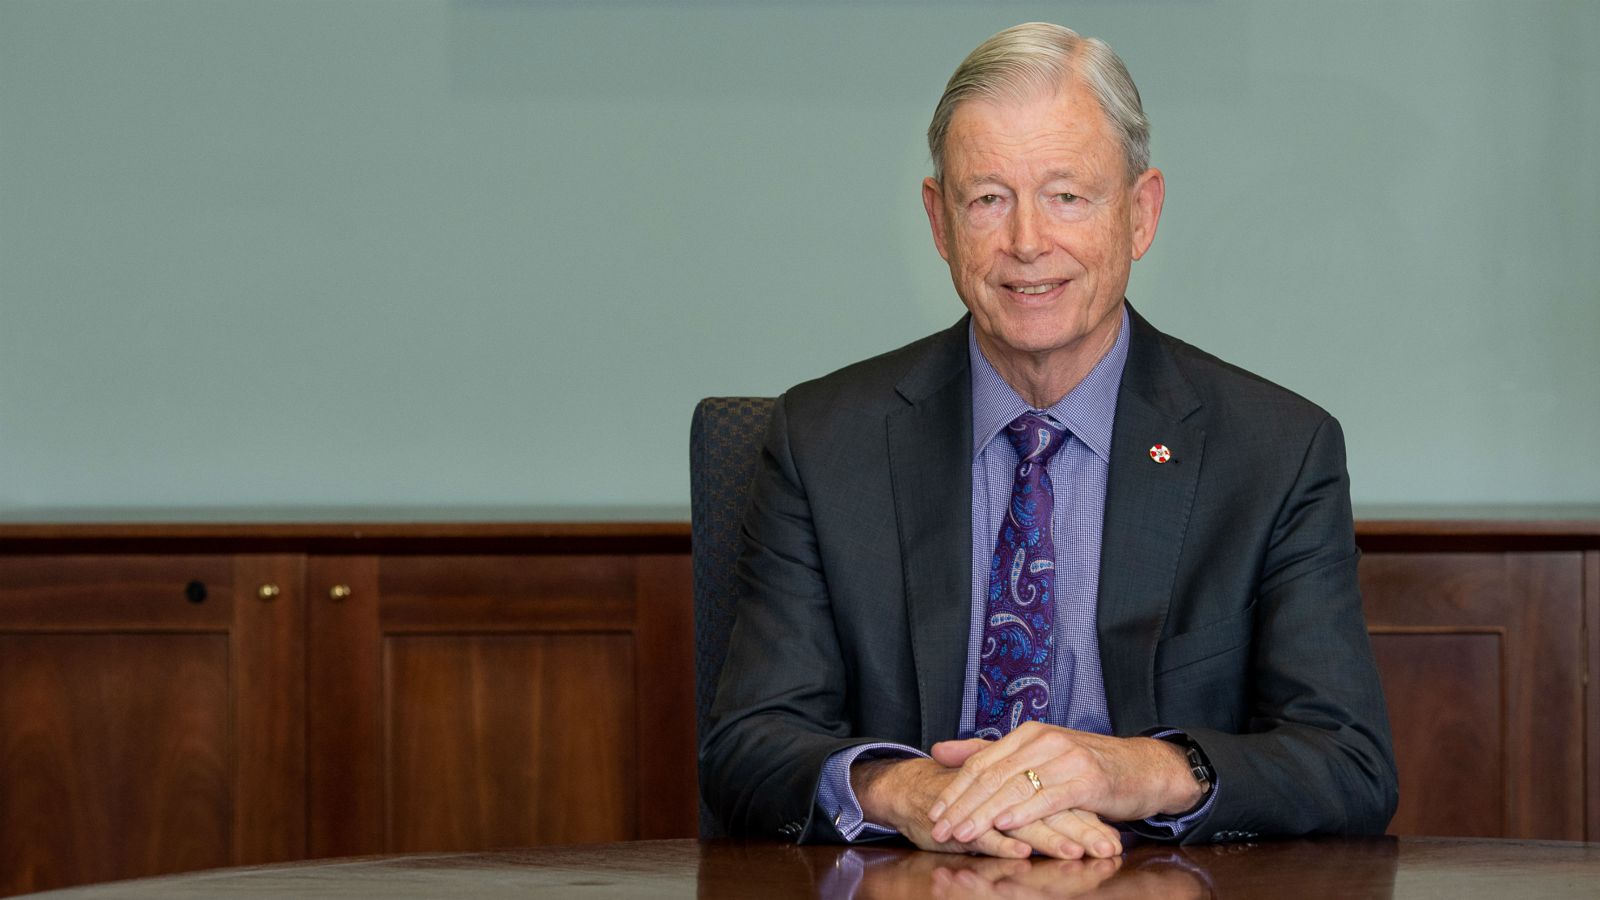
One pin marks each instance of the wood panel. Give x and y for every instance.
(153, 715)
(112, 592)
(1447, 691)
(115, 756)
(344, 678)
(494, 593)
(1423, 604)
(508, 740)
(465, 701)
(669, 784)
(269, 683)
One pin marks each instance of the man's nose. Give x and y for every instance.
(1027, 239)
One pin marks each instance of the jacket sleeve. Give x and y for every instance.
(1315, 754)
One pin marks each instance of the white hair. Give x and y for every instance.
(1037, 57)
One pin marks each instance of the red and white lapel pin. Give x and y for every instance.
(1160, 453)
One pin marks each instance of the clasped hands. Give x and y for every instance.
(975, 796)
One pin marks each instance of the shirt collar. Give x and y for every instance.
(1087, 411)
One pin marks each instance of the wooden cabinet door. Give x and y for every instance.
(151, 716)
(464, 702)
(1482, 659)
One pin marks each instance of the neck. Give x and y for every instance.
(1044, 378)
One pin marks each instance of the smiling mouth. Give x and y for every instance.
(1032, 290)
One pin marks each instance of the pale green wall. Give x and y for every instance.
(380, 252)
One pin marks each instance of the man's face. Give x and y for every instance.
(1040, 224)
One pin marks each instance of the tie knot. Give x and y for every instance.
(1035, 439)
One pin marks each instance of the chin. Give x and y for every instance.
(1032, 347)
(1038, 339)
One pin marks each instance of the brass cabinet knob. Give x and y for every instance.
(267, 591)
(339, 591)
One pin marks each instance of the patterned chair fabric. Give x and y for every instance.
(724, 446)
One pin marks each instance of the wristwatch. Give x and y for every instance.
(1199, 765)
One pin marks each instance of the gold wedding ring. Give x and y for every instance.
(1033, 779)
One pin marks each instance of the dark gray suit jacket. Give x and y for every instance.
(1228, 602)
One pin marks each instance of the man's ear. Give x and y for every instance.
(933, 202)
(1149, 192)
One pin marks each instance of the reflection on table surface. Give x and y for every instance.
(1303, 870)
(1297, 869)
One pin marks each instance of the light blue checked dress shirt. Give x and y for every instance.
(1079, 470)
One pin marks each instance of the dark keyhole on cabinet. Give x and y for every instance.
(195, 591)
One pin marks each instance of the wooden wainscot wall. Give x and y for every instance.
(185, 696)
(1487, 634)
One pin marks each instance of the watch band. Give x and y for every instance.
(1199, 766)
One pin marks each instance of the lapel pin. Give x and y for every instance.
(1160, 453)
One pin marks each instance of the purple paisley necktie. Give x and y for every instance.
(1014, 669)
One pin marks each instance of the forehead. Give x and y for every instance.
(1047, 130)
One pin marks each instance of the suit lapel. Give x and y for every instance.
(1147, 517)
(930, 465)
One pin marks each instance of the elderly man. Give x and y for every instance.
(1049, 572)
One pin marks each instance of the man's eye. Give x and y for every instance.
(988, 199)
(1066, 198)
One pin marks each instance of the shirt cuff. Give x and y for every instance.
(836, 798)
(1176, 826)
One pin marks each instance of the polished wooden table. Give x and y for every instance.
(1298, 869)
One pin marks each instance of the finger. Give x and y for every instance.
(1052, 798)
(990, 843)
(1013, 791)
(984, 773)
(967, 772)
(1100, 839)
(1073, 834)
(986, 753)
(997, 786)
(993, 843)
(1046, 839)
(956, 753)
